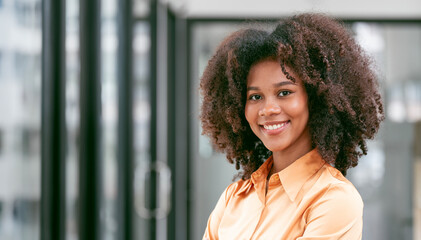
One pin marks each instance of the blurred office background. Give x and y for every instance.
(99, 130)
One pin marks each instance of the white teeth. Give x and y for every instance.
(273, 127)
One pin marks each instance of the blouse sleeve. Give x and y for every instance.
(336, 215)
(211, 232)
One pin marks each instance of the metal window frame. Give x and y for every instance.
(124, 208)
(53, 141)
(152, 194)
(90, 152)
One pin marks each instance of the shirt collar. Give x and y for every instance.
(295, 175)
(260, 175)
(292, 178)
(257, 178)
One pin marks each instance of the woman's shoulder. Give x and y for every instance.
(333, 207)
(338, 179)
(333, 186)
(237, 188)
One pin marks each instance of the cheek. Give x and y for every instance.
(299, 109)
(304, 112)
(248, 112)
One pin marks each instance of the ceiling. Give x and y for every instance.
(356, 9)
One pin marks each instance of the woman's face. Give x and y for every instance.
(276, 108)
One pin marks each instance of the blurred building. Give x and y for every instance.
(20, 90)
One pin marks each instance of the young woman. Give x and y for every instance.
(293, 108)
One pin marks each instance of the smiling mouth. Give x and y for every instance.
(274, 128)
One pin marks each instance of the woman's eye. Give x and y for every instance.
(284, 93)
(255, 97)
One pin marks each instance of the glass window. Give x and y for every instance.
(109, 43)
(30, 142)
(20, 124)
(142, 114)
(27, 13)
(72, 117)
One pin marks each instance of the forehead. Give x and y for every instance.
(269, 72)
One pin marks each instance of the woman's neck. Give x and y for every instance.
(282, 159)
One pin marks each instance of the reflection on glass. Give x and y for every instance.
(141, 109)
(141, 8)
(20, 123)
(72, 117)
(109, 118)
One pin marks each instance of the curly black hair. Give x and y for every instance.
(344, 103)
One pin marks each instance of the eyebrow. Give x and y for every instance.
(279, 84)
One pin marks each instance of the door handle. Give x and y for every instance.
(142, 174)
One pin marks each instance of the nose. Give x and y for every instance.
(270, 108)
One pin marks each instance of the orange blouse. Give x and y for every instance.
(309, 199)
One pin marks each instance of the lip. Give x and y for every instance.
(274, 131)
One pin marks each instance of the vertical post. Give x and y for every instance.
(189, 185)
(53, 120)
(125, 120)
(90, 121)
(153, 21)
(172, 113)
(162, 117)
